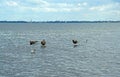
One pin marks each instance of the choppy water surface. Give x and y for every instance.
(98, 57)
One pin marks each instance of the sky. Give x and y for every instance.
(59, 10)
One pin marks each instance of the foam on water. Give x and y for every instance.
(98, 57)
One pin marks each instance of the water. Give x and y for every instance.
(98, 57)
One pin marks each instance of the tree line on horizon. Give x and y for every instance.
(59, 21)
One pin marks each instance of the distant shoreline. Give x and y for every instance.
(59, 21)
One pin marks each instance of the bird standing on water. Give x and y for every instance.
(33, 42)
(74, 41)
(43, 43)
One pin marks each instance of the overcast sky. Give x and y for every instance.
(64, 10)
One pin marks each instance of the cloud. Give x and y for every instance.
(64, 9)
(39, 2)
(98, 8)
(105, 7)
(12, 3)
(45, 6)
(115, 13)
(105, 12)
(83, 4)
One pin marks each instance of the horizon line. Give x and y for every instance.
(57, 20)
(20, 21)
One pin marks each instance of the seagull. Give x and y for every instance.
(43, 42)
(74, 41)
(33, 42)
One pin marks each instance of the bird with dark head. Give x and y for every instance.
(74, 41)
(32, 42)
(43, 42)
